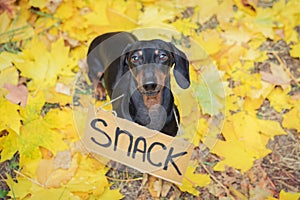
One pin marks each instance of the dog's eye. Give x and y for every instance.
(163, 57)
(134, 58)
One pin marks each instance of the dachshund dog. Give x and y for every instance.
(136, 76)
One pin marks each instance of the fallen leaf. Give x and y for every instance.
(246, 138)
(11, 118)
(166, 187)
(185, 26)
(33, 107)
(210, 40)
(192, 180)
(6, 59)
(279, 99)
(89, 177)
(278, 75)
(51, 175)
(155, 17)
(9, 75)
(111, 194)
(37, 3)
(53, 5)
(210, 92)
(17, 94)
(155, 186)
(291, 120)
(44, 66)
(31, 139)
(99, 12)
(283, 195)
(295, 50)
(9, 146)
(18, 189)
(63, 89)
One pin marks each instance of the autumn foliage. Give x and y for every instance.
(244, 57)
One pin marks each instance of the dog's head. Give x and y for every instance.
(150, 63)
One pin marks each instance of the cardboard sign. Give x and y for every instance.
(136, 146)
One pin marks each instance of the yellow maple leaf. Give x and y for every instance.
(98, 17)
(11, 118)
(37, 133)
(246, 82)
(192, 180)
(236, 34)
(283, 195)
(111, 194)
(245, 140)
(123, 15)
(44, 66)
(33, 107)
(9, 146)
(185, 26)
(89, 178)
(8, 76)
(50, 174)
(210, 40)
(60, 63)
(51, 96)
(155, 17)
(26, 187)
(233, 154)
(35, 64)
(288, 15)
(295, 52)
(279, 99)
(51, 193)
(18, 189)
(6, 59)
(16, 29)
(65, 10)
(64, 121)
(291, 119)
(38, 3)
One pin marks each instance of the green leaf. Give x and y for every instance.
(3, 193)
(210, 91)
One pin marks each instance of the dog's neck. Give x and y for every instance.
(153, 115)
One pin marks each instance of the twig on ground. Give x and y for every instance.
(215, 179)
(30, 179)
(122, 180)
(285, 68)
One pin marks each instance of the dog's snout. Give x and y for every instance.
(150, 86)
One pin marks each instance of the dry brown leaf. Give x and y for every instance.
(63, 89)
(7, 6)
(166, 188)
(63, 160)
(44, 170)
(155, 186)
(277, 76)
(52, 5)
(50, 172)
(17, 94)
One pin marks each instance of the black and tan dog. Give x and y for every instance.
(139, 72)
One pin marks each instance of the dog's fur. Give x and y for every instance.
(139, 70)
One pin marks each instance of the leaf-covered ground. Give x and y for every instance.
(242, 111)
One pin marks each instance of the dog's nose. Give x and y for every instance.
(149, 86)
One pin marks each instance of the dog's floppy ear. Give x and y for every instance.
(181, 68)
(124, 58)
